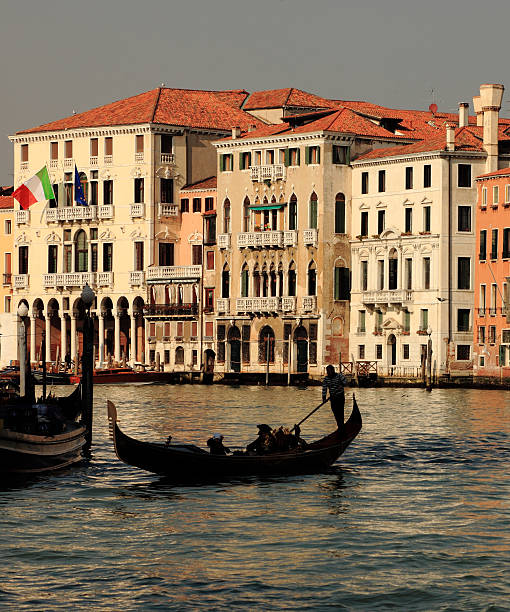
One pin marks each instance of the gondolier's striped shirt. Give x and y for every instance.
(335, 384)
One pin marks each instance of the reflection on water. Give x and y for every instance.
(414, 516)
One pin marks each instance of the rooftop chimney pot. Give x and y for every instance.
(463, 114)
(450, 137)
(477, 105)
(236, 132)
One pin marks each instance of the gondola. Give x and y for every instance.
(189, 463)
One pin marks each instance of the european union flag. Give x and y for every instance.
(78, 189)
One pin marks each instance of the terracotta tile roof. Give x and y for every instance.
(289, 97)
(208, 183)
(495, 174)
(6, 202)
(234, 97)
(181, 107)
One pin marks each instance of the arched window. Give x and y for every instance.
(226, 216)
(313, 211)
(339, 213)
(292, 279)
(393, 270)
(82, 252)
(293, 212)
(256, 282)
(272, 281)
(264, 282)
(245, 275)
(225, 282)
(179, 355)
(246, 214)
(266, 345)
(280, 280)
(312, 279)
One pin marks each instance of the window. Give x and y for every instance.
(7, 269)
(209, 259)
(507, 194)
(184, 205)
(393, 271)
(361, 351)
(53, 150)
(226, 162)
(139, 144)
(382, 181)
(108, 146)
(484, 197)
(426, 272)
(196, 254)
(409, 177)
(293, 157)
(408, 220)
(94, 175)
(24, 153)
(292, 281)
(481, 334)
(364, 182)
(270, 157)
(380, 274)
(463, 319)
(362, 321)
(68, 149)
(463, 352)
(312, 279)
(209, 204)
(107, 257)
(378, 351)
(483, 245)
(381, 217)
(53, 202)
(464, 175)
(340, 213)
(407, 321)
(313, 211)
(107, 192)
(378, 320)
(166, 254)
(427, 175)
(68, 189)
(492, 334)
(197, 204)
(364, 223)
(138, 256)
(424, 319)
(7, 303)
(312, 155)
(179, 355)
(94, 147)
(341, 155)
(495, 195)
(139, 191)
(481, 309)
(408, 273)
(342, 283)
(81, 263)
(8, 227)
(167, 190)
(463, 273)
(52, 258)
(426, 219)
(364, 276)
(494, 244)
(293, 213)
(210, 229)
(464, 218)
(494, 299)
(209, 298)
(244, 160)
(405, 351)
(226, 216)
(166, 142)
(225, 283)
(68, 258)
(244, 282)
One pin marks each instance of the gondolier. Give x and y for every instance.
(335, 383)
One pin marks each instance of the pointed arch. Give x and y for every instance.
(266, 344)
(293, 207)
(312, 278)
(313, 211)
(226, 216)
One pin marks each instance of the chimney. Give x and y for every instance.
(463, 114)
(491, 96)
(236, 132)
(477, 105)
(450, 137)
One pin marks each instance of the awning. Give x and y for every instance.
(271, 207)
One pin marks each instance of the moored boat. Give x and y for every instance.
(187, 462)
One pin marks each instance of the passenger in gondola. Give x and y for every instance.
(285, 440)
(216, 445)
(265, 442)
(335, 383)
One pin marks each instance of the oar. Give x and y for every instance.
(310, 414)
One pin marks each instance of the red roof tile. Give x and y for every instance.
(290, 97)
(6, 202)
(496, 173)
(208, 183)
(181, 107)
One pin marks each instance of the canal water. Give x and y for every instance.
(415, 515)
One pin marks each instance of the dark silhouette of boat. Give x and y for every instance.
(189, 463)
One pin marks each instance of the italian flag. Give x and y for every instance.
(36, 189)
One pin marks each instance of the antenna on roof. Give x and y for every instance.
(163, 85)
(433, 105)
(74, 112)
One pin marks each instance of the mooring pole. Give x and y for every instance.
(267, 361)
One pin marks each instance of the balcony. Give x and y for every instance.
(481, 312)
(168, 210)
(139, 157)
(398, 296)
(136, 278)
(167, 158)
(171, 310)
(7, 278)
(93, 162)
(258, 304)
(69, 279)
(21, 281)
(23, 165)
(224, 241)
(310, 303)
(260, 239)
(108, 160)
(288, 304)
(137, 210)
(310, 237)
(290, 238)
(105, 279)
(267, 173)
(223, 305)
(105, 211)
(164, 273)
(69, 163)
(53, 164)
(71, 213)
(22, 216)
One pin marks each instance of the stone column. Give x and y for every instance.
(32, 338)
(117, 337)
(132, 339)
(63, 338)
(74, 355)
(101, 339)
(47, 330)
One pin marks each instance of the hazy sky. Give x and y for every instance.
(59, 55)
